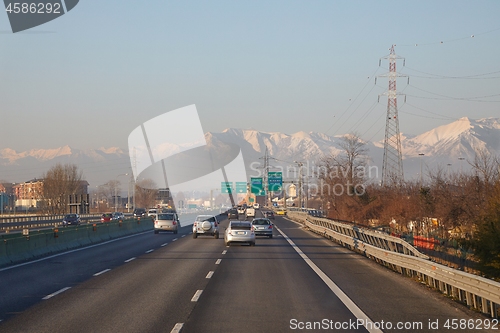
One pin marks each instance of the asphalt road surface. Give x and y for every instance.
(296, 281)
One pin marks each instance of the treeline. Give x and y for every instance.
(460, 205)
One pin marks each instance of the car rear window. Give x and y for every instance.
(260, 222)
(241, 226)
(165, 216)
(205, 218)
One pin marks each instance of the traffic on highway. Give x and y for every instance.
(292, 279)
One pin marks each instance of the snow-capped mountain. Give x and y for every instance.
(285, 147)
(98, 165)
(458, 139)
(441, 146)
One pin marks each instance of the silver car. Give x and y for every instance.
(166, 222)
(206, 225)
(239, 232)
(263, 227)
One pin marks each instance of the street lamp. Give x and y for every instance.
(461, 159)
(116, 185)
(420, 157)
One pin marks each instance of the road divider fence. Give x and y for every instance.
(18, 247)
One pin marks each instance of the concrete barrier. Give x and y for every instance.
(16, 248)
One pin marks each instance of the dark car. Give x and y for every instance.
(71, 219)
(232, 214)
(118, 216)
(269, 214)
(140, 212)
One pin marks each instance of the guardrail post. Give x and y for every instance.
(493, 308)
(484, 305)
(468, 298)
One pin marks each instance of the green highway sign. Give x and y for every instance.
(241, 187)
(275, 181)
(226, 187)
(256, 185)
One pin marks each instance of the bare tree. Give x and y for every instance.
(486, 166)
(109, 190)
(352, 159)
(342, 178)
(145, 193)
(59, 183)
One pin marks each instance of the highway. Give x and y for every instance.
(167, 283)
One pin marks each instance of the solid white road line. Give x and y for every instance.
(196, 296)
(177, 328)
(209, 275)
(56, 293)
(218, 261)
(102, 272)
(149, 251)
(355, 310)
(129, 260)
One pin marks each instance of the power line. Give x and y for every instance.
(352, 103)
(465, 77)
(451, 40)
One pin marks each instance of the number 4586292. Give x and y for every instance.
(33, 8)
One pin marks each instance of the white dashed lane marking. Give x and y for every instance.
(177, 328)
(102, 272)
(196, 296)
(56, 293)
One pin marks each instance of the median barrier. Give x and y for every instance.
(16, 247)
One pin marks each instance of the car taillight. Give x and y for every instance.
(173, 222)
(270, 226)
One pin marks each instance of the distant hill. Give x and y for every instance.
(442, 146)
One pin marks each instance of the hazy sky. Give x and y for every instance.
(88, 78)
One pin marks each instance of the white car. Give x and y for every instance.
(250, 212)
(206, 225)
(166, 222)
(256, 206)
(241, 210)
(239, 232)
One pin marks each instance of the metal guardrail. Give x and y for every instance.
(477, 292)
(40, 221)
(29, 218)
